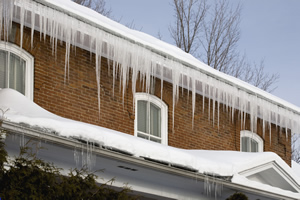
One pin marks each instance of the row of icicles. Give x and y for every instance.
(129, 57)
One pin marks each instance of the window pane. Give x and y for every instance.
(155, 140)
(143, 136)
(245, 142)
(249, 145)
(142, 122)
(17, 73)
(254, 146)
(155, 120)
(3, 70)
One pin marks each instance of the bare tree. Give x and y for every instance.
(211, 33)
(221, 34)
(295, 147)
(252, 73)
(100, 7)
(97, 5)
(188, 24)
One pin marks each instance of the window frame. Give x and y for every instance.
(29, 65)
(164, 114)
(255, 137)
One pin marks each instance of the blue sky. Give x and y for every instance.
(270, 30)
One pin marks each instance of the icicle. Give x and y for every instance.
(98, 68)
(263, 114)
(22, 140)
(90, 159)
(203, 93)
(124, 70)
(161, 80)
(193, 98)
(6, 11)
(32, 26)
(175, 77)
(22, 18)
(114, 65)
(219, 95)
(214, 102)
(212, 187)
(188, 82)
(76, 156)
(270, 126)
(134, 75)
(209, 96)
(286, 123)
(234, 99)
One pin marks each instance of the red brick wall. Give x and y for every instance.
(76, 98)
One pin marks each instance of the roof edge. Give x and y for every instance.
(261, 94)
(67, 142)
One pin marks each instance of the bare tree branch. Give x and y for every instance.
(221, 35)
(97, 5)
(189, 17)
(100, 7)
(211, 33)
(295, 147)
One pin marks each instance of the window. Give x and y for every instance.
(151, 118)
(16, 69)
(251, 142)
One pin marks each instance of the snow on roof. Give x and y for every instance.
(144, 54)
(20, 109)
(296, 168)
(147, 40)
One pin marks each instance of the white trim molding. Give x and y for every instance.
(272, 174)
(29, 60)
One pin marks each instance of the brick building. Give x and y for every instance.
(82, 66)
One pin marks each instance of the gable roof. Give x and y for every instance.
(271, 173)
(249, 170)
(82, 27)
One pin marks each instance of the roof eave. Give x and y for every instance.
(72, 143)
(215, 74)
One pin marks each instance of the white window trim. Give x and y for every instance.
(164, 114)
(254, 136)
(29, 60)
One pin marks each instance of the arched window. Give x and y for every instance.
(16, 69)
(151, 118)
(251, 142)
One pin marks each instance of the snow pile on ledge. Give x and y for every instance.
(222, 163)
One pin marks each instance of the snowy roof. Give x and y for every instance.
(19, 109)
(144, 54)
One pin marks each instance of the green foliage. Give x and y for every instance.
(237, 196)
(29, 177)
(3, 153)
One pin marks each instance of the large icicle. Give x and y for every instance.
(128, 54)
(6, 11)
